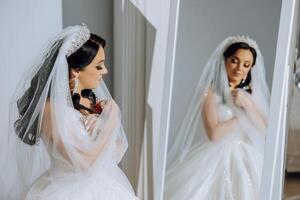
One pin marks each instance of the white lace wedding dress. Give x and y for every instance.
(104, 180)
(53, 151)
(227, 169)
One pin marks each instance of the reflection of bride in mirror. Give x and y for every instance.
(66, 136)
(218, 151)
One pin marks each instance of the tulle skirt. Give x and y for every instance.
(102, 184)
(225, 170)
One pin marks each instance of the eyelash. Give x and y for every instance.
(99, 67)
(235, 61)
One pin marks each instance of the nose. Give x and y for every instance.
(239, 66)
(104, 71)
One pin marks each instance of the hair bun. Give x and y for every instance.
(88, 93)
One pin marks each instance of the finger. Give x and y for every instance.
(92, 128)
(234, 99)
(233, 95)
(91, 122)
(90, 116)
(233, 92)
(88, 120)
(92, 125)
(237, 93)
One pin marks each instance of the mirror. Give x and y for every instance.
(137, 34)
(292, 154)
(199, 165)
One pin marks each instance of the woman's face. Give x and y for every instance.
(90, 76)
(238, 65)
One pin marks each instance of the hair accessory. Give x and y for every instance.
(245, 39)
(76, 82)
(82, 37)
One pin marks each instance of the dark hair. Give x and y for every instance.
(79, 60)
(27, 102)
(231, 50)
(86, 53)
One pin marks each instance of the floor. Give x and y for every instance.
(292, 186)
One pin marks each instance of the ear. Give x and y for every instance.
(74, 73)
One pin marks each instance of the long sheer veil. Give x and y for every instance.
(192, 132)
(42, 106)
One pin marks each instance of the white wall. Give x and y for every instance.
(98, 15)
(25, 27)
(203, 25)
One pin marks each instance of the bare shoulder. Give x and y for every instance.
(209, 105)
(209, 96)
(47, 111)
(46, 120)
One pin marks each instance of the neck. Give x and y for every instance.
(232, 85)
(79, 89)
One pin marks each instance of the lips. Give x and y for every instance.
(238, 74)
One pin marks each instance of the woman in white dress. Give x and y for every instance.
(66, 137)
(218, 151)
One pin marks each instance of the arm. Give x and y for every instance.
(100, 132)
(213, 127)
(48, 132)
(240, 98)
(120, 140)
(80, 136)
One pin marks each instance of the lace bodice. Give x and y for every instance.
(224, 111)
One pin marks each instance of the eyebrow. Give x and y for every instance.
(101, 61)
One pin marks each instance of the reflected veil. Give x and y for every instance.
(191, 132)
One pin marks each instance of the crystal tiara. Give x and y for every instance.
(80, 38)
(245, 39)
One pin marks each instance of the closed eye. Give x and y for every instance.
(100, 66)
(234, 60)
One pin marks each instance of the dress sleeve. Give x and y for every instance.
(78, 147)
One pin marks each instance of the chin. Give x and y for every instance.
(94, 87)
(237, 80)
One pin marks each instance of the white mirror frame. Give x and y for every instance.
(274, 158)
(161, 16)
(273, 170)
(272, 183)
(167, 96)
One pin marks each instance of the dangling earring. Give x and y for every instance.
(244, 80)
(94, 92)
(75, 86)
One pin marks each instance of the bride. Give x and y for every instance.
(218, 151)
(65, 138)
